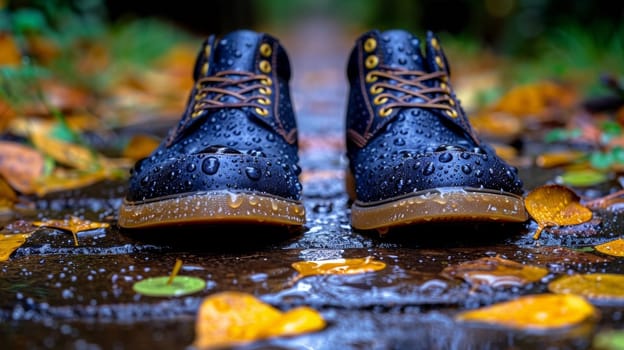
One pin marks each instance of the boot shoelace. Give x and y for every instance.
(415, 92)
(211, 91)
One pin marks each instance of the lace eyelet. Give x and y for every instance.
(371, 61)
(207, 51)
(265, 66)
(384, 112)
(262, 111)
(452, 102)
(375, 89)
(266, 81)
(378, 100)
(371, 77)
(265, 50)
(370, 45)
(264, 101)
(265, 91)
(196, 114)
(204, 69)
(438, 61)
(435, 44)
(451, 113)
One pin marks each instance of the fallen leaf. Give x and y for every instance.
(613, 248)
(338, 266)
(64, 179)
(8, 244)
(10, 52)
(555, 205)
(140, 146)
(72, 224)
(556, 159)
(66, 153)
(541, 100)
(8, 197)
(495, 272)
(20, 165)
(160, 286)
(609, 340)
(536, 312)
(593, 286)
(582, 178)
(229, 319)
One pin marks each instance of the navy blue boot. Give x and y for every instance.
(413, 156)
(233, 157)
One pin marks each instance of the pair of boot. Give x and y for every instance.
(233, 157)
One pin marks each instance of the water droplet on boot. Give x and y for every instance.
(190, 167)
(445, 157)
(466, 169)
(429, 169)
(252, 173)
(210, 165)
(234, 200)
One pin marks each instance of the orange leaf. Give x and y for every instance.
(542, 311)
(555, 205)
(10, 52)
(338, 266)
(555, 159)
(62, 179)
(20, 165)
(613, 248)
(140, 146)
(72, 224)
(8, 244)
(496, 272)
(594, 286)
(228, 319)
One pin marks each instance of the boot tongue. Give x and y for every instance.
(236, 51)
(400, 49)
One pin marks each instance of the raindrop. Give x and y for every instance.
(429, 169)
(466, 169)
(445, 157)
(253, 173)
(210, 165)
(399, 142)
(190, 167)
(234, 200)
(145, 180)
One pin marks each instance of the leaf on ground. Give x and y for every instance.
(8, 244)
(613, 248)
(72, 224)
(555, 205)
(8, 197)
(338, 266)
(67, 179)
(593, 286)
(140, 146)
(556, 257)
(69, 154)
(609, 340)
(10, 52)
(229, 319)
(535, 312)
(582, 178)
(495, 272)
(20, 165)
(560, 158)
(497, 124)
(542, 100)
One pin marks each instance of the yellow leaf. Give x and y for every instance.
(10, 51)
(66, 153)
(63, 179)
(233, 318)
(555, 159)
(338, 266)
(555, 205)
(20, 165)
(73, 224)
(541, 311)
(8, 197)
(613, 248)
(496, 272)
(140, 146)
(594, 286)
(8, 244)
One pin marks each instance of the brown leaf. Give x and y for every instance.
(20, 165)
(496, 272)
(541, 311)
(11, 55)
(594, 286)
(7, 196)
(228, 319)
(555, 205)
(542, 100)
(140, 146)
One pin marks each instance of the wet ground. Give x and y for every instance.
(56, 295)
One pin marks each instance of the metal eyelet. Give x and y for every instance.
(264, 101)
(379, 100)
(207, 51)
(262, 111)
(435, 44)
(452, 102)
(204, 69)
(265, 66)
(445, 87)
(371, 61)
(371, 77)
(265, 50)
(451, 113)
(384, 112)
(438, 61)
(376, 89)
(265, 91)
(370, 45)
(266, 81)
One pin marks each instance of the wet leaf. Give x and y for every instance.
(66, 153)
(538, 100)
(594, 286)
(20, 165)
(233, 318)
(495, 272)
(555, 159)
(63, 179)
(7, 196)
(140, 146)
(582, 178)
(613, 248)
(8, 244)
(160, 286)
(338, 266)
(72, 224)
(10, 52)
(609, 340)
(540, 311)
(555, 205)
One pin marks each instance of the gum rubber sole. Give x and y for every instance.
(450, 204)
(216, 207)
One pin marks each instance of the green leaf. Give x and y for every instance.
(609, 340)
(582, 178)
(601, 161)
